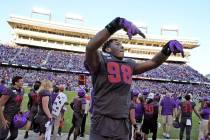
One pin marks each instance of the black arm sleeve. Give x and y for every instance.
(29, 102)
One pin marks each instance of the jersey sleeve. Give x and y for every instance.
(132, 106)
(88, 66)
(133, 64)
(44, 93)
(8, 92)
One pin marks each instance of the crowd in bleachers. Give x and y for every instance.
(30, 56)
(7, 52)
(71, 81)
(160, 83)
(176, 88)
(72, 61)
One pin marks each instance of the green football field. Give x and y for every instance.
(68, 117)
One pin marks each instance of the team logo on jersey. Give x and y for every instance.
(149, 109)
(187, 108)
(119, 73)
(35, 97)
(14, 91)
(18, 99)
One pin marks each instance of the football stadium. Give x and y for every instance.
(43, 49)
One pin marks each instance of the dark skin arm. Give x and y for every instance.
(45, 101)
(156, 61)
(196, 112)
(178, 114)
(29, 102)
(92, 57)
(132, 116)
(3, 100)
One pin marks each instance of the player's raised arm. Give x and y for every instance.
(173, 46)
(92, 57)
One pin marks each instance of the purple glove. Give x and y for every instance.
(130, 28)
(176, 47)
(173, 46)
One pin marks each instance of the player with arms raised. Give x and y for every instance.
(112, 77)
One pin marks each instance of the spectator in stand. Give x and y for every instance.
(25, 55)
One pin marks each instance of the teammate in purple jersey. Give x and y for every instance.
(205, 114)
(167, 106)
(112, 77)
(135, 112)
(11, 100)
(33, 103)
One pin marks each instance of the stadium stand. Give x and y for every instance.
(168, 76)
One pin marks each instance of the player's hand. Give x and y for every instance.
(130, 28)
(5, 124)
(175, 47)
(50, 117)
(135, 127)
(122, 23)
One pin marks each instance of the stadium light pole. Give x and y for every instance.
(41, 11)
(75, 17)
(169, 28)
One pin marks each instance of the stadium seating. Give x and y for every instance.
(72, 61)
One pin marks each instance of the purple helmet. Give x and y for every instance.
(20, 121)
(157, 95)
(134, 92)
(176, 124)
(146, 92)
(205, 98)
(81, 92)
